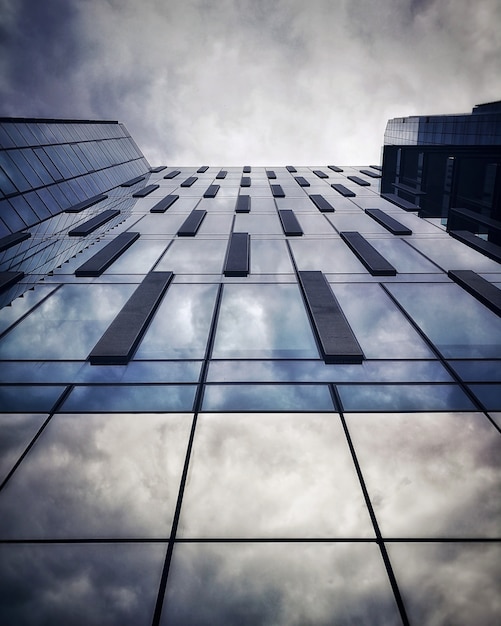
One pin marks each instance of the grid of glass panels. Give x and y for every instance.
(48, 167)
(226, 473)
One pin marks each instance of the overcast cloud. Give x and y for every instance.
(228, 82)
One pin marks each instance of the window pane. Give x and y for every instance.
(458, 325)
(404, 398)
(67, 325)
(267, 398)
(181, 325)
(381, 329)
(259, 321)
(200, 256)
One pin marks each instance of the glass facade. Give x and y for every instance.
(228, 462)
(449, 167)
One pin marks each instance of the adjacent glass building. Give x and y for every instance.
(239, 395)
(448, 167)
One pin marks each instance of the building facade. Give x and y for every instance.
(449, 167)
(239, 395)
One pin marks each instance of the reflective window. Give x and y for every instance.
(246, 397)
(404, 398)
(238, 583)
(181, 324)
(200, 256)
(139, 258)
(258, 224)
(67, 325)
(456, 323)
(104, 476)
(117, 399)
(29, 399)
(95, 584)
(326, 255)
(257, 321)
(285, 474)
(380, 328)
(448, 583)
(318, 371)
(16, 432)
(430, 474)
(270, 256)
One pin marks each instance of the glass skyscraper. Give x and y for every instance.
(238, 395)
(448, 167)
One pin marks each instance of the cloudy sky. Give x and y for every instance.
(266, 82)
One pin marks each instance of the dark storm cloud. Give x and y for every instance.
(263, 82)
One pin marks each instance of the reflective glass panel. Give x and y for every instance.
(270, 256)
(68, 324)
(256, 583)
(200, 256)
(380, 328)
(98, 476)
(257, 321)
(458, 325)
(404, 398)
(119, 398)
(269, 475)
(181, 324)
(326, 255)
(79, 584)
(267, 398)
(431, 474)
(16, 432)
(318, 371)
(448, 583)
(138, 259)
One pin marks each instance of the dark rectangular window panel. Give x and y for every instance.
(290, 224)
(7, 279)
(142, 193)
(76, 208)
(368, 255)
(164, 204)
(117, 345)
(359, 181)
(376, 167)
(245, 181)
(202, 169)
(172, 174)
(335, 168)
(300, 180)
(337, 342)
(320, 174)
(321, 203)
(390, 223)
(192, 223)
(400, 202)
(277, 191)
(160, 168)
(211, 191)
(12, 240)
(93, 224)
(344, 191)
(479, 288)
(97, 264)
(222, 174)
(247, 169)
(237, 255)
(243, 204)
(371, 173)
(271, 174)
(189, 181)
(132, 181)
(491, 250)
(290, 168)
